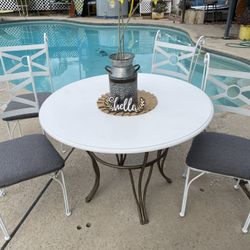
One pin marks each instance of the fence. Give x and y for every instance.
(35, 5)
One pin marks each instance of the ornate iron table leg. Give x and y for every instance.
(97, 177)
(161, 161)
(120, 159)
(140, 195)
(141, 190)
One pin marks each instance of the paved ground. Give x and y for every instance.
(214, 218)
(215, 214)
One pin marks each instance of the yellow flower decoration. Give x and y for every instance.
(155, 2)
(112, 3)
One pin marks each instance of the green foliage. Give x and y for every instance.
(160, 7)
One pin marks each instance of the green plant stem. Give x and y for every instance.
(126, 25)
(119, 31)
(122, 33)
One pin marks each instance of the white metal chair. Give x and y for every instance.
(28, 157)
(175, 60)
(15, 105)
(23, 7)
(13, 60)
(219, 153)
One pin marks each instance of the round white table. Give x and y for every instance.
(70, 115)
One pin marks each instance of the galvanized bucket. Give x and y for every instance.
(123, 77)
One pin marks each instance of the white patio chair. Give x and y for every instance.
(13, 60)
(175, 60)
(28, 157)
(219, 153)
(19, 99)
(23, 7)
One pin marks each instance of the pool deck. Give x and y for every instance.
(215, 211)
(213, 32)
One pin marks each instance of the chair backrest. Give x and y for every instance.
(11, 59)
(175, 60)
(228, 89)
(23, 6)
(13, 84)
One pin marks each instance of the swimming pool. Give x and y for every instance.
(78, 51)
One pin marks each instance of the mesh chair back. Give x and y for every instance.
(231, 88)
(11, 59)
(175, 60)
(11, 85)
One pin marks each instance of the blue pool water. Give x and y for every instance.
(78, 51)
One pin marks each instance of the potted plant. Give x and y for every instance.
(159, 7)
(122, 72)
(244, 21)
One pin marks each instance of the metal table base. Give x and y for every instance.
(139, 189)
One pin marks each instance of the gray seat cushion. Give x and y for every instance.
(27, 157)
(17, 105)
(220, 153)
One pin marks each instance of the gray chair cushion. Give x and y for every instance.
(220, 153)
(17, 105)
(27, 157)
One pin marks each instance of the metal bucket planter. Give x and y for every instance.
(123, 77)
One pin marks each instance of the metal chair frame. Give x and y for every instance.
(36, 51)
(40, 49)
(65, 198)
(209, 77)
(25, 79)
(10, 90)
(23, 7)
(181, 53)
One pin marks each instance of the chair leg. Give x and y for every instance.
(63, 148)
(185, 194)
(184, 175)
(3, 227)
(186, 188)
(246, 225)
(2, 193)
(19, 128)
(237, 185)
(9, 130)
(63, 186)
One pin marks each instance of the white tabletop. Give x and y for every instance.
(71, 116)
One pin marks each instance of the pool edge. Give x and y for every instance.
(143, 22)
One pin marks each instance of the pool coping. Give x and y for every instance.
(215, 43)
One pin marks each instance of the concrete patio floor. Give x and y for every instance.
(215, 212)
